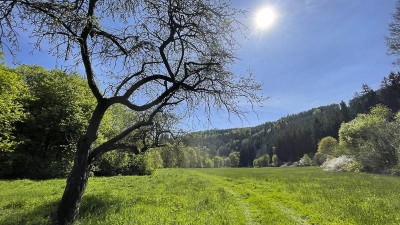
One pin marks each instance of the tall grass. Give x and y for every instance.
(214, 196)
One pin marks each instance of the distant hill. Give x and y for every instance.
(294, 135)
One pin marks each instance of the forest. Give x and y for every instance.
(295, 135)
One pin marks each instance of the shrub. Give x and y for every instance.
(262, 161)
(218, 161)
(395, 171)
(373, 139)
(327, 145)
(226, 162)
(319, 158)
(234, 159)
(113, 163)
(275, 160)
(341, 163)
(146, 163)
(305, 161)
(208, 163)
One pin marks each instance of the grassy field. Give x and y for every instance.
(214, 196)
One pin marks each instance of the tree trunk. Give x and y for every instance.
(68, 209)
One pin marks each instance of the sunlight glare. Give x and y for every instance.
(265, 18)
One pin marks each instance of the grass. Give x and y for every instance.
(214, 196)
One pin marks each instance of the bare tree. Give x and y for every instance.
(393, 40)
(154, 55)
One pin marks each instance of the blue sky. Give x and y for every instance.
(318, 52)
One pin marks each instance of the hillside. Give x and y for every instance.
(295, 135)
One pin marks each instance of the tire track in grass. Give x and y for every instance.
(245, 206)
(290, 212)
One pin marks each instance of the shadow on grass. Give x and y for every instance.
(99, 205)
(45, 213)
(18, 212)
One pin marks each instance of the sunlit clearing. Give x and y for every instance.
(265, 18)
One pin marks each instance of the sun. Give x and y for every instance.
(265, 18)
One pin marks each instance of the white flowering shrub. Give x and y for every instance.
(342, 163)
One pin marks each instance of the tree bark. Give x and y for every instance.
(68, 208)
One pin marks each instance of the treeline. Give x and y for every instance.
(43, 114)
(170, 155)
(295, 135)
(368, 143)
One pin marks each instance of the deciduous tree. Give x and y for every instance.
(393, 40)
(155, 55)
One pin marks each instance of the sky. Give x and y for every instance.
(317, 52)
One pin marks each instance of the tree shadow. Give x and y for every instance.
(45, 213)
(99, 205)
(18, 212)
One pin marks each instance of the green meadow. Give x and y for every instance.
(214, 196)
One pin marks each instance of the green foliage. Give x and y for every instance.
(344, 112)
(305, 160)
(373, 138)
(114, 163)
(227, 162)
(154, 160)
(390, 91)
(319, 159)
(296, 135)
(116, 119)
(328, 146)
(146, 163)
(218, 161)
(178, 155)
(234, 159)
(275, 160)
(43, 115)
(292, 136)
(127, 163)
(59, 110)
(208, 163)
(13, 94)
(262, 161)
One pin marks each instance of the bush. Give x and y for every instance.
(305, 161)
(327, 145)
(126, 163)
(234, 159)
(395, 171)
(275, 160)
(262, 161)
(145, 163)
(218, 161)
(227, 162)
(113, 163)
(373, 139)
(208, 163)
(341, 163)
(319, 158)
